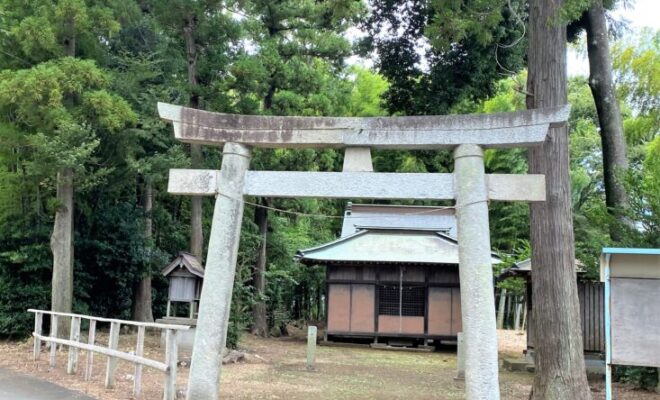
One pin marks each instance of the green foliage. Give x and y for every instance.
(366, 97)
(637, 65)
(41, 30)
(642, 377)
(439, 54)
(25, 272)
(461, 19)
(637, 68)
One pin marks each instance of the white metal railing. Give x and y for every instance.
(169, 367)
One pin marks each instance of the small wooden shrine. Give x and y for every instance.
(592, 305)
(392, 275)
(185, 274)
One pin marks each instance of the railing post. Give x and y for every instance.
(38, 323)
(139, 351)
(74, 335)
(113, 343)
(171, 350)
(54, 321)
(91, 337)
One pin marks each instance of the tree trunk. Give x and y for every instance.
(559, 361)
(260, 324)
(61, 244)
(61, 240)
(615, 162)
(259, 310)
(142, 305)
(500, 309)
(196, 232)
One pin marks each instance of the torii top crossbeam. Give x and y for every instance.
(501, 130)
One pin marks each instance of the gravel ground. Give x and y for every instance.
(275, 369)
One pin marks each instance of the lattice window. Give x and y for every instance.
(412, 304)
(413, 301)
(388, 300)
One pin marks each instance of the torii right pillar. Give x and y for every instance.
(476, 274)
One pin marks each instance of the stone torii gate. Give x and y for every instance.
(469, 186)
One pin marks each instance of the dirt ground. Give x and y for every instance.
(276, 369)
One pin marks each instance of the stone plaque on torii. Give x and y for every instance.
(469, 186)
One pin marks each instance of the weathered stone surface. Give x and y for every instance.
(215, 301)
(233, 357)
(357, 159)
(193, 182)
(516, 364)
(349, 185)
(460, 357)
(356, 185)
(504, 187)
(477, 300)
(519, 129)
(311, 347)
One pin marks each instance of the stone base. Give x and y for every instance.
(184, 339)
(421, 349)
(595, 366)
(516, 364)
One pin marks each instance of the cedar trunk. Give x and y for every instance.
(142, 306)
(196, 232)
(615, 162)
(61, 240)
(61, 244)
(559, 361)
(260, 324)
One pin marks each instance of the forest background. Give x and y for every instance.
(83, 154)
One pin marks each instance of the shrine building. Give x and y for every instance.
(392, 277)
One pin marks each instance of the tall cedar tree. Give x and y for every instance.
(205, 32)
(300, 50)
(142, 60)
(59, 97)
(601, 81)
(559, 362)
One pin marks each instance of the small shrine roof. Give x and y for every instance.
(185, 260)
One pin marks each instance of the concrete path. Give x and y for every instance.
(16, 386)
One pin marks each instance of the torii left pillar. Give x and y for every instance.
(215, 302)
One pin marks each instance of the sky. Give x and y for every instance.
(640, 14)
